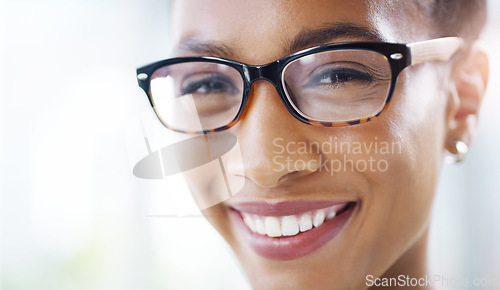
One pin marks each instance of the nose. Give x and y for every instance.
(270, 139)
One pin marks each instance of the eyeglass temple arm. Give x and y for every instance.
(436, 49)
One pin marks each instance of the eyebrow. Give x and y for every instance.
(211, 48)
(331, 32)
(305, 39)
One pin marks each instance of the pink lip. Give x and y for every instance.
(284, 208)
(302, 244)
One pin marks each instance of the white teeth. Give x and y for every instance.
(273, 228)
(330, 215)
(249, 222)
(305, 222)
(319, 218)
(259, 226)
(289, 226)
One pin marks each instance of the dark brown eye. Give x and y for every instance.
(209, 85)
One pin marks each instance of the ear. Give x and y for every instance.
(468, 85)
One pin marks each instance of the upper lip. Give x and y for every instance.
(283, 208)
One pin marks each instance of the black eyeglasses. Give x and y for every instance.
(331, 85)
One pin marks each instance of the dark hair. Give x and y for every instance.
(465, 18)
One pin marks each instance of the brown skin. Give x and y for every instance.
(433, 105)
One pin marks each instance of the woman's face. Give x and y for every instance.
(379, 176)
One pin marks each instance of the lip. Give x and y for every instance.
(293, 247)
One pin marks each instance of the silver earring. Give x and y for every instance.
(461, 150)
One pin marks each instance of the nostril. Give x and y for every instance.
(293, 175)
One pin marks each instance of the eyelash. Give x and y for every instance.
(347, 74)
(195, 85)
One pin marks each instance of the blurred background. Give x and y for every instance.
(73, 216)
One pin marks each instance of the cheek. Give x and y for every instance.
(421, 98)
(405, 146)
(417, 121)
(207, 185)
(208, 189)
(208, 158)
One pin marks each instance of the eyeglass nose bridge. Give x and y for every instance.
(266, 72)
(271, 73)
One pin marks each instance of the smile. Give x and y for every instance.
(291, 229)
(291, 225)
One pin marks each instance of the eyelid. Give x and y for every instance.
(209, 78)
(186, 69)
(357, 74)
(337, 65)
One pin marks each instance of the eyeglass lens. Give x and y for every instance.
(331, 86)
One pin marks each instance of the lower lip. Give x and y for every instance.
(302, 244)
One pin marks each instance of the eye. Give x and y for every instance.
(210, 85)
(337, 76)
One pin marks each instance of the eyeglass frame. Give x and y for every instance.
(399, 55)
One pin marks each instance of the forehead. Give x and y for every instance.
(262, 30)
